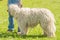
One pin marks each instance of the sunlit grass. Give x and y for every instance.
(36, 32)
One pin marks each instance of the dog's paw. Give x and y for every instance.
(19, 33)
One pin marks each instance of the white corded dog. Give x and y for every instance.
(30, 17)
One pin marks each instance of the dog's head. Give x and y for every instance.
(14, 9)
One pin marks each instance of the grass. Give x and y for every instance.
(35, 33)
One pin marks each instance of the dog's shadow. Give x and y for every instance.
(14, 35)
(33, 36)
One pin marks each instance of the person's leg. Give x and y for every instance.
(20, 5)
(11, 23)
(19, 32)
(18, 29)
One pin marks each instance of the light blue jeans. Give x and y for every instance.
(11, 23)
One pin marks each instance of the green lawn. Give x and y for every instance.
(35, 33)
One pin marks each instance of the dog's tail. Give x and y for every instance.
(52, 20)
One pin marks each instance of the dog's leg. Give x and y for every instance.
(23, 28)
(43, 25)
(48, 28)
(51, 30)
(44, 31)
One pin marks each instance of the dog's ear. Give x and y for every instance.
(16, 15)
(12, 12)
